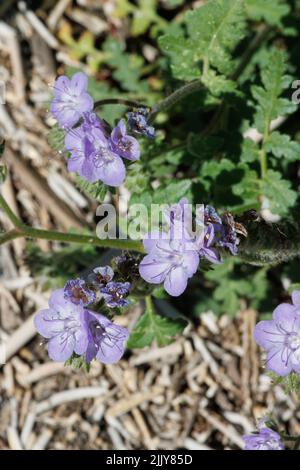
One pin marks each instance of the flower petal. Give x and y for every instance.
(176, 282)
(61, 347)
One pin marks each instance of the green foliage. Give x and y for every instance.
(154, 327)
(127, 67)
(56, 267)
(78, 362)
(96, 190)
(231, 286)
(290, 383)
(270, 104)
(213, 32)
(200, 151)
(56, 140)
(271, 11)
(281, 146)
(278, 193)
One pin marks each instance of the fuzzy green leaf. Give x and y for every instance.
(278, 193)
(153, 327)
(281, 145)
(270, 105)
(271, 11)
(213, 32)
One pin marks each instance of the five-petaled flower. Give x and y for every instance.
(70, 328)
(280, 337)
(71, 99)
(63, 324)
(123, 144)
(92, 156)
(169, 261)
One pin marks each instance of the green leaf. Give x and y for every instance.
(127, 67)
(173, 192)
(250, 151)
(144, 14)
(78, 362)
(290, 383)
(218, 85)
(56, 140)
(281, 145)
(184, 66)
(96, 190)
(216, 28)
(278, 193)
(213, 168)
(271, 11)
(269, 103)
(213, 32)
(153, 327)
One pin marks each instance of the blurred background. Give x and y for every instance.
(204, 390)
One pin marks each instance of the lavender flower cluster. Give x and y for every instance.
(280, 337)
(71, 327)
(173, 257)
(97, 152)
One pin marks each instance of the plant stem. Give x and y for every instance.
(174, 98)
(22, 230)
(129, 103)
(10, 214)
(263, 162)
(149, 304)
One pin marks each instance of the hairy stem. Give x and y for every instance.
(129, 103)
(270, 244)
(174, 98)
(22, 230)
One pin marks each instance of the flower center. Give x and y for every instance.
(101, 156)
(294, 341)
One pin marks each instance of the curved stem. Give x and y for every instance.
(10, 214)
(22, 230)
(174, 98)
(130, 103)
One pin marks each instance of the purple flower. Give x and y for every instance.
(179, 219)
(92, 156)
(63, 324)
(265, 439)
(227, 234)
(114, 292)
(123, 144)
(106, 340)
(71, 99)
(101, 276)
(170, 261)
(206, 241)
(77, 292)
(137, 121)
(280, 337)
